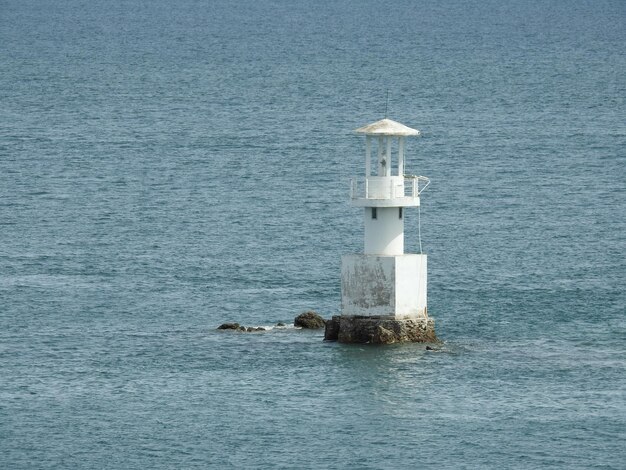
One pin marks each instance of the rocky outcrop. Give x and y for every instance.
(380, 330)
(310, 320)
(238, 327)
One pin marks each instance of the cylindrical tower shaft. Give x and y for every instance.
(384, 231)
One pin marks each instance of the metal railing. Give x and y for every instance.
(388, 187)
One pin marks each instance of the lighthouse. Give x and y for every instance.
(384, 289)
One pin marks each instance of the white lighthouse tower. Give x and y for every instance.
(383, 290)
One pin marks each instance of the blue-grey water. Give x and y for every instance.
(166, 166)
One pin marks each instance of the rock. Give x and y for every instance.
(380, 330)
(280, 324)
(384, 336)
(238, 327)
(331, 332)
(310, 320)
(428, 348)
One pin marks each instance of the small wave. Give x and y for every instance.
(279, 328)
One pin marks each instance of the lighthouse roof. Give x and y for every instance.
(387, 127)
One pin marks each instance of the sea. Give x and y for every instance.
(168, 166)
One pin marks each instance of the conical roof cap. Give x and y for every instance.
(387, 127)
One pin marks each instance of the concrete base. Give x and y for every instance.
(381, 285)
(380, 330)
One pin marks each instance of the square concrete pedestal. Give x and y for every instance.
(384, 286)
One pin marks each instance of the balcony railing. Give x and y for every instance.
(388, 187)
